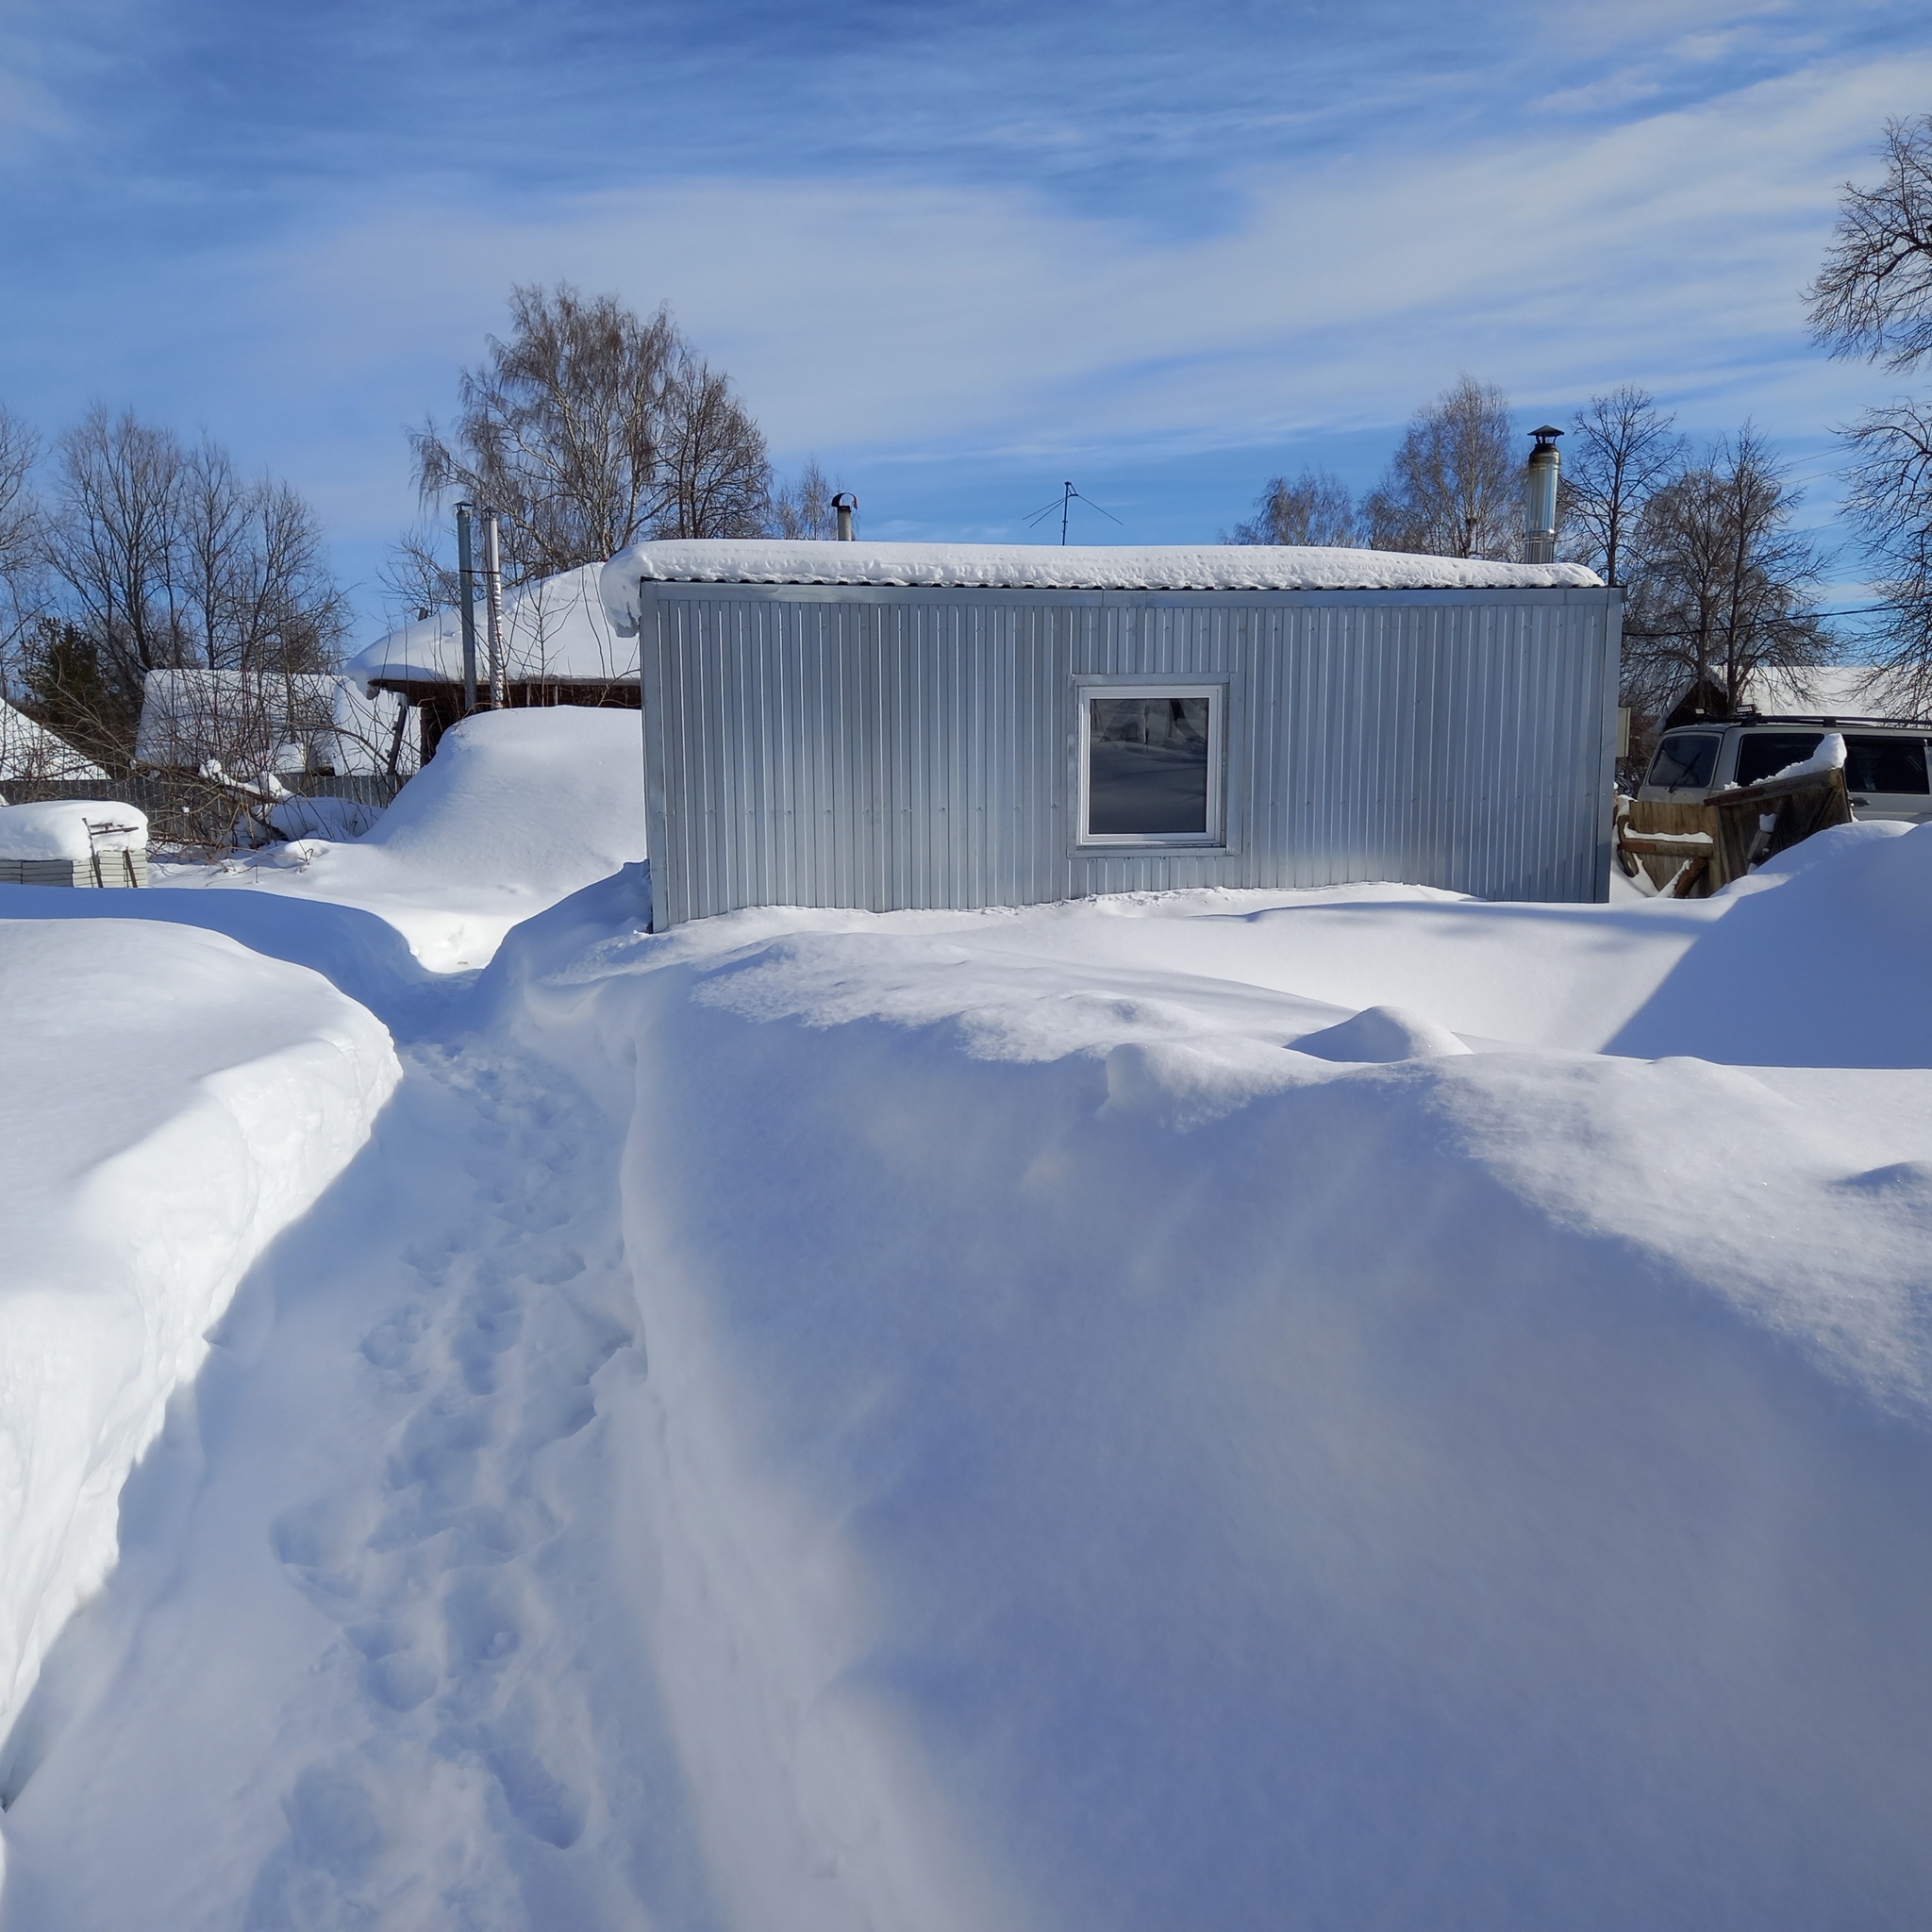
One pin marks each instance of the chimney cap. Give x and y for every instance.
(1547, 435)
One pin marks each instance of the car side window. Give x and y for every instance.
(1762, 755)
(1886, 764)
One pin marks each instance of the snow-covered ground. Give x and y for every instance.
(173, 1103)
(516, 810)
(1339, 1409)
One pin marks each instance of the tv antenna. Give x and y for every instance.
(1064, 503)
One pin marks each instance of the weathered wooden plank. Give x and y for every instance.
(1757, 822)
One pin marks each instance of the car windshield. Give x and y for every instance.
(1684, 758)
(1764, 753)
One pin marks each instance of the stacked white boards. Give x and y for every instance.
(73, 842)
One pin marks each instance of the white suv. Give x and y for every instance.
(1885, 764)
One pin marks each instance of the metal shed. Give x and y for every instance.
(907, 726)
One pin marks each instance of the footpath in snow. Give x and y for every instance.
(1342, 1409)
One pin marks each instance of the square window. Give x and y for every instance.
(1151, 761)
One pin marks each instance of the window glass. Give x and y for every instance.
(1684, 758)
(1147, 767)
(1885, 764)
(1764, 753)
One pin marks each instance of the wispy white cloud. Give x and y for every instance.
(1673, 247)
(1000, 267)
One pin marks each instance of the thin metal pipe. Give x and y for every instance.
(492, 604)
(1540, 497)
(466, 569)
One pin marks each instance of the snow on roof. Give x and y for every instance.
(71, 829)
(30, 751)
(554, 629)
(1826, 690)
(1061, 567)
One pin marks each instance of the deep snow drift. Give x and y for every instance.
(516, 810)
(173, 1102)
(1336, 1409)
(1131, 1469)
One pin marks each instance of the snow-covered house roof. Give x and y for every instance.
(1804, 690)
(1060, 567)
(555, 631)
(255, 721)
(31, 750)
(1826, 690)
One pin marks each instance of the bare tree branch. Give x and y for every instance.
(803, 509)
(1452, 488)
(416, 580)
(112, 539)
(1874, 295)
(718, 475)
(23, 599)
(1727, 587)
(1890, 501)
(588, 429)
(1623, 448)
(1316, 509)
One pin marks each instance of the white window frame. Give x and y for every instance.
(1215, 838)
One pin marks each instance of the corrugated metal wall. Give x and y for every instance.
(894, 748)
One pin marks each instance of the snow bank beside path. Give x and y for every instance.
(1113, 1467)
(516, 810)
(173, 1102)
(1104, 1415)
(357, 952)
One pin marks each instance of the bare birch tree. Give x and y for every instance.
(1874, 298)
(161, 558)
(416, 576)
(20, 593)
(803, 509)
(1316, 509)
(1454, 486)
(1727, 586)
(587, 429)
(1623, 449)
(112, 540)
(717, 473)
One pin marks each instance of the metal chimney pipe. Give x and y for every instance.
(492, 604)
(1540, 497)
(844, 502)
(466, 570)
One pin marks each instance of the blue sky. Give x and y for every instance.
(959, 252)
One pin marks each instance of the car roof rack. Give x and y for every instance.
(1829, 720)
